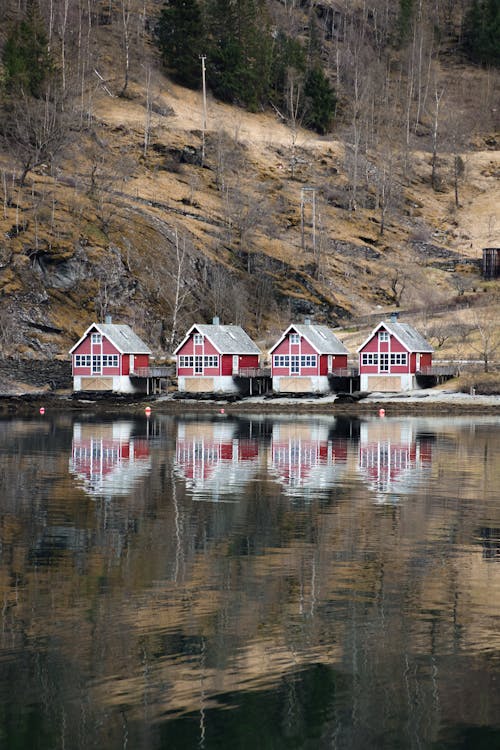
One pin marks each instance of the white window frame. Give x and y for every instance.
(198, 364)
(110, 360)
(383, 336)
(198, 339)
(295, 364)
(95, 338)
(281, 361)
(83, 360)
(384, 364)
(211, 360)
(369, 359)
(295, 338)
(308, 360)
(399, 359)
(96, 364)
(186, 360)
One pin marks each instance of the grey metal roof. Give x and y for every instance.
(408, 336)
(320, 337)
(411, 339)
(228, 339)
(123, 337)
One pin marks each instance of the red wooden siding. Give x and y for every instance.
(249, 360)
(225, 366)
(426, 359)
(305, 348)
(106, 347)
(141, 360)
(393, 346)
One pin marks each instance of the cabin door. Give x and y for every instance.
(96, 364)
(236, 364)
(330, 363)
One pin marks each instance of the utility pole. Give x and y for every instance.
(204, 117)
(308, 195)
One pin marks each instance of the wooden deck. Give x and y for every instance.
(253, 372)
(153, 372)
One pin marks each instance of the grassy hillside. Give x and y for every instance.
(263, 233)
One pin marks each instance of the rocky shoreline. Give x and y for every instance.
(414, 403)
(28, 385)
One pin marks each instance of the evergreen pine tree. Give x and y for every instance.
(321, 101)
(405, 18)
(239, 54)
(181, 39)
(482, 32)
(286, 53)
(26, 59)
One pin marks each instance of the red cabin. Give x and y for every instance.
(391, 357)
(211, 356)
(107, 357)
(303, 358)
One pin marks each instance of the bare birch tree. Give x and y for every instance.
(181, 289)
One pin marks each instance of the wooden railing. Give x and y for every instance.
(345, 372)
(153, 372)
(447, 369)
(253, 372)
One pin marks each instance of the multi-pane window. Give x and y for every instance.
(294, 338)
(96, 338)
(110, 360)
(398, 358)
(198, 339)
(308, 360)
(383, 336)
(186, 360)
(369, 358)
(211, 360)
(384, 362)
(96, 363)
(82, 360)
(294, 368)
(281, 360)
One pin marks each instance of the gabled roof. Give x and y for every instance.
(321, 338)
(411, 339)
(121, 336)
(226, 339)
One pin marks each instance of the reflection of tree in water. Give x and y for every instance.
(490, 542)
(336, 623)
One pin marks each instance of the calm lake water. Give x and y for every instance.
(258, 582)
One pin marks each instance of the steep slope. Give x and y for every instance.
(119, 228)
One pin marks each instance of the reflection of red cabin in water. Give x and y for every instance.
(304, 458)
(391, 356)
(391, 458)
(210, 458)
(106, 357)
(107, 458)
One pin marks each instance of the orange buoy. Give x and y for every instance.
(147, 411)
(381, 412)
(42, 410)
